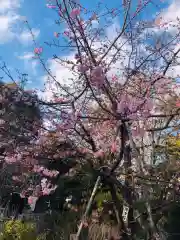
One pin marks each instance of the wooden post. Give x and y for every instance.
(88, 207)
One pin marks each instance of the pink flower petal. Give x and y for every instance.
(114, 78)
(177, 104)
(75, 12)
(138, 132)
(97, 77)
(113, 147)
(38, 50)
(83, 68)
(97, 71)
(56, 34)
(99, 153)
(149, 105)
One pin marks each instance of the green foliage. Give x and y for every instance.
(173, 146)
(105, 196)
(18, 230)
(101, 197)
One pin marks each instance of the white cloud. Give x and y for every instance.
(167, 23)
(173, 11)
(26, 56)
(94, 23)
(8, 17)
(170, 15)
(62, 75)
(6, 5)
(6, 26)
(9, 20)
(174, 70)
(30, 62)
(34, 65)
(25, 37)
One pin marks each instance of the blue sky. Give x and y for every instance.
(16, 43)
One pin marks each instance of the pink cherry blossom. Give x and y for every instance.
(145, 114)
(132, 105)
(47, 187)
(97, 71)
(10, 159)
(83, 68)
(18, 157)
(60, 100)
(32, 202)
(37, 191)
(48, 191)
(83, 150)
(113, 147)
(123, 103)
(97, 77)
(114, 78)
(178, 104)
(23, 194)
(138, 132)
(44, 182)
(49, 173)
(38, 50)
(56, 34)
(148, 105)
(38, 169)
(75, 12)
(67, 33)
(16, 178)
(134, 116)
(99, 153)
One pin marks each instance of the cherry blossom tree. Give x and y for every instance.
(113, 116)
(20, 120)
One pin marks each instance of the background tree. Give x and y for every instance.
(20, 121)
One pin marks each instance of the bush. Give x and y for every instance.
(18, 230)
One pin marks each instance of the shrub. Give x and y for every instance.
(18, 230)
